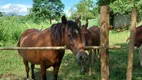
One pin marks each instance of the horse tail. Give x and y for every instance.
(128, 39)
(18, 45)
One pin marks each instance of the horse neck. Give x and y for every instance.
(58, 41)
(65, 39)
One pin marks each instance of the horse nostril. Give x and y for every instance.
(81, 48)
(80, 57)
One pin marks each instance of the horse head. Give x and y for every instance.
(74, 42)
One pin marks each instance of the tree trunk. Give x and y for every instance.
(104, 39)
(131, 45)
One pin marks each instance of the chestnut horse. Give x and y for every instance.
(60, 34)
(92, 38)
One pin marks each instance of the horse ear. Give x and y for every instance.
(64, 20)
(86, 25)
(77, 21)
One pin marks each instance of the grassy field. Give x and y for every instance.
(12, 67)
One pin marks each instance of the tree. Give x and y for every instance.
(104, 2)
(83, 9)
(1, 14)
(123, 7)
(46, 9)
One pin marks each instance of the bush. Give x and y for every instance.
(10, 28)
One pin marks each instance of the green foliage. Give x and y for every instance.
(138, 4)
(1, 14)
(83, 9)
(46, 10)
(10, 28)
(124, 7)
(104, 2)
(121, 7)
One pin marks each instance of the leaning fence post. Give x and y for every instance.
(104, 39)
(131, 45)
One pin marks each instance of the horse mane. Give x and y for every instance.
(58, 30)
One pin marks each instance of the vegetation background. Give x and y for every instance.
(44, 13)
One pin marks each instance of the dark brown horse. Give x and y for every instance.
(138, 37)
(60, 34)
(92, 38)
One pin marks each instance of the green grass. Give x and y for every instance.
(12, 67)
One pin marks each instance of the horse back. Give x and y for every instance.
(25, 34)
(138, 37)
(94, 32)
(36, 38)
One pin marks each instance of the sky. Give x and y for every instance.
(21, 6)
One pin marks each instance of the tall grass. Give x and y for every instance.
(11, 28)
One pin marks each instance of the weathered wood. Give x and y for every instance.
(55, 48)
(104, 39)
(31, 48)
(131, 45)
(99, 47)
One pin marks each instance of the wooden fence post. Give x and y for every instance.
(131, 45)
(104, 39)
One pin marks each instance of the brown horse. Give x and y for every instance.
(138, 37)
(60, 34)
(92, 38)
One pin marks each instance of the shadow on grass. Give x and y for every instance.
(49, 74)
(118, 63)
(70, 70)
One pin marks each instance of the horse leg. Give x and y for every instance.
(99, 55)
(90, 61)
(26, 67)
(43, 71)
(32, 71)
(55, 72)
(95, 54)
(140, 58)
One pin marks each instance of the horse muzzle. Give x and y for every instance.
(82, 59)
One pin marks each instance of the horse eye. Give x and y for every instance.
(69, 36)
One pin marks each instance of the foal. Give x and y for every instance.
(92, 38)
